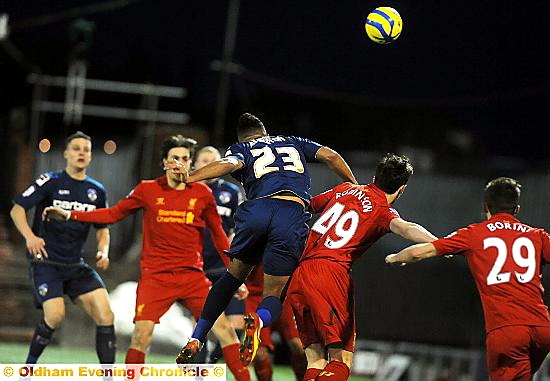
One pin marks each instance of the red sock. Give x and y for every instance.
(311, 374)
(298, 362)
(263, 368)
(133, 356)
(334, 371)
(233, 362)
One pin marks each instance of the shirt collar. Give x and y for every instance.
(504, 216)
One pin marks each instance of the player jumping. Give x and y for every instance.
(270, 226)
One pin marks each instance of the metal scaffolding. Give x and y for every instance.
(74, 108)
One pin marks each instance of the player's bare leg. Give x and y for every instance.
(274, 285)
(316, 361)
(229, 342)
(54, 314)
(337, 354)
(96, 304)
(142, 335)
(237, 321)
(239, 269)
(338, 368)
(224, 331)
(262, 364)
(139, 343)
(298, 361)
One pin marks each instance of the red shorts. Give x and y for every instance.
(321, 295)
(516, 351)
(157, 292)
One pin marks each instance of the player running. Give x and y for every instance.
(321, 290)
(270, 226)
(505, 258)
(55, 249)
(174, 217)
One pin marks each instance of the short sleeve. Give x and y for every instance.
(308, 147)
(36, 192)
(102, 204)
(454, 243)
(235, 151)
(386, 216)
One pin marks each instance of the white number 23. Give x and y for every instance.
(265, 157)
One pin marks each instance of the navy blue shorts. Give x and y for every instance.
(235, 306)
(270, 230)
(52, 281)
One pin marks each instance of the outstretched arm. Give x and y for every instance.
(215, 169)
(411, 231)
(98, 216)
(336, 163)
(413, 253)
(120, 210)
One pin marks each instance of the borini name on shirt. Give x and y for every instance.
(507, 225)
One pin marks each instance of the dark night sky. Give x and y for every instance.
(479, 67)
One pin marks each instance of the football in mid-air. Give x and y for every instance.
(384, 25)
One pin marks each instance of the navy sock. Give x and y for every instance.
(41, 338)
(270, 310)
(105, 343)
(218, 298)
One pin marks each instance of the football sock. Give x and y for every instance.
(41, 338)
(105, 344)
(133, 356)
(334, 371)
(269, 310)
(218, 298)
(231, 356)
(311, 374)
(263, 368)
(298, 363)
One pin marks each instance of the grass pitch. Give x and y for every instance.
(16, 354)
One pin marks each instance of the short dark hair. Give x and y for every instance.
(77, 135)
(175, 141)
(502, 195)
(249, 124)
(392, 172)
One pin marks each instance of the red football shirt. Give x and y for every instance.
(173, 223)
(505, 258)
(354, 217)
